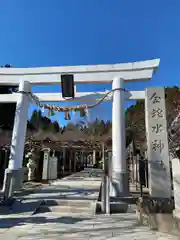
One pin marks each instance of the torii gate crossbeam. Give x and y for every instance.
(79, 96)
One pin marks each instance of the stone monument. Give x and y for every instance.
(157, 142)
(156, 211)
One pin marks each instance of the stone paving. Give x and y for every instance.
(55, 226)
(75, 226)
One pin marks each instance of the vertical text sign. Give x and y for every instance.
(157, 144)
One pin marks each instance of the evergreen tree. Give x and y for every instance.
(35, 120)
(55, 126)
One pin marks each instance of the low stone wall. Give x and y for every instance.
(158, 215)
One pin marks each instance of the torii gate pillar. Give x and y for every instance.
(14, 172)
(119, 174)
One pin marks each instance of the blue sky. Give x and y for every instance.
(72, 32)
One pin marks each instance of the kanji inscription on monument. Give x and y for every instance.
(157, 143)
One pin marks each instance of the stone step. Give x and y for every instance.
(21, 208)
(67, 206)
(68, 202)
(65, 209)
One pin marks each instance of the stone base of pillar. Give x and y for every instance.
(119, 186)
(13, 180)
(118, 207)
(114, 207)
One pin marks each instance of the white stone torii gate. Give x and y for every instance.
(116, 74)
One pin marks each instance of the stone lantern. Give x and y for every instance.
(31, 165)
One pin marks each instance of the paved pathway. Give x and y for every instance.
(50, 226)
(75, 226)
(78, 191)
